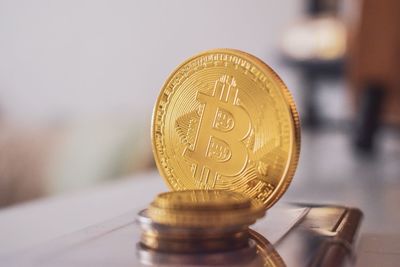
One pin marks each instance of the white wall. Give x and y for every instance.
(68, 59)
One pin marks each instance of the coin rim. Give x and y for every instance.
(288, 98)
(204, 218)
(163, 203)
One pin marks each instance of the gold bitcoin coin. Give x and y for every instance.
(225, 120)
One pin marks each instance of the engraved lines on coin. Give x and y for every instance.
(222, 125)
(217, 111)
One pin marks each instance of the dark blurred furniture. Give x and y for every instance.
(312, 71)
(317, 7)
(317, 50)
(374, 68)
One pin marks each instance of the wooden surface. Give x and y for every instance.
(329, 172)
(25, 226)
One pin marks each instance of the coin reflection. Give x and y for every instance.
(258, 253)
(266, 250)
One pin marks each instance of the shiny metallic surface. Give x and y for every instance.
(225, 120)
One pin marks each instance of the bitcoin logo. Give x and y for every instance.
(224, 124)
(225, 120)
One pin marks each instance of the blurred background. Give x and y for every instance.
(78, 80)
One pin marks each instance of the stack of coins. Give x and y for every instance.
(226, 137)
(199, 221)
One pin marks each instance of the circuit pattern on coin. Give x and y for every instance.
(225, 120)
